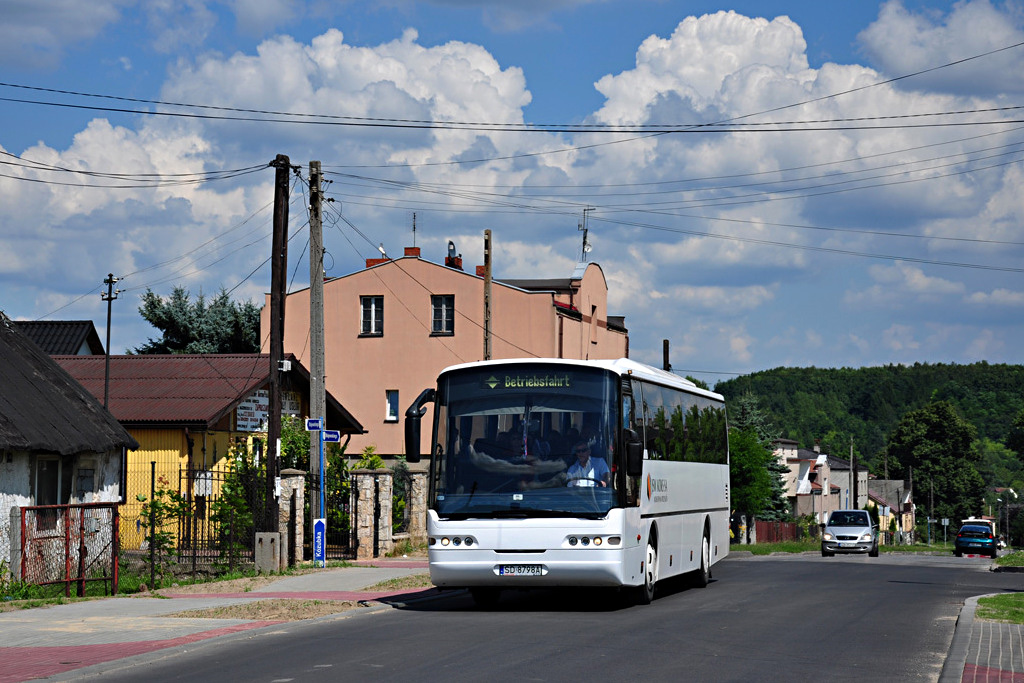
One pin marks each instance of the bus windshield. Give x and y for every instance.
(525, 440)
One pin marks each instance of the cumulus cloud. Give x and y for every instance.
(997, 297)
(657, 201)
(260, 17)
(36, 34)
(903, 282)
(902, 41)
(176, 24)
(900, 338)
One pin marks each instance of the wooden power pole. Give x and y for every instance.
(278, 265)
(487, 294)
(317, 387)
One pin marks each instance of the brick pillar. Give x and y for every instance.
(417, 507)
(292, 481)
(367, 520)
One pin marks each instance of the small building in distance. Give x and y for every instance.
(187, 412)
(63, 337)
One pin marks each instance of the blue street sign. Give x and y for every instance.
(332, 435)
(313, 424)
(319, 542)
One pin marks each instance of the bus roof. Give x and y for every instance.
(620, 366)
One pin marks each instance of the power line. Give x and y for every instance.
(692, 128)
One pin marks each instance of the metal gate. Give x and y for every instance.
(69, 544)
(339, 511)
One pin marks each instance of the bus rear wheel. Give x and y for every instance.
(645, 592)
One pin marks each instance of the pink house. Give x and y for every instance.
(391, 328)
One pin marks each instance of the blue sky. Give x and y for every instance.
(839, 246)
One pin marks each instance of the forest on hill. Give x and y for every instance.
(831, 405)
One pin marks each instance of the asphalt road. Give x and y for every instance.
(791, 618)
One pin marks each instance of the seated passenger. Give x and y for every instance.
(587, 471)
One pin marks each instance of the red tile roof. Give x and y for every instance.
(185, 388)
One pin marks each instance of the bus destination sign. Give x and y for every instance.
(530, 381)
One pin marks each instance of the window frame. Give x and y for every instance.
(442, 325)
(391, 409)
(372, 326)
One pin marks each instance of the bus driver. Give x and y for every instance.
(587, 471)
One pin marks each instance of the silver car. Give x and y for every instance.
(849, 531)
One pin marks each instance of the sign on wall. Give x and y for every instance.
(251, 414)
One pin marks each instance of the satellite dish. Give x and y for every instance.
(451, 249)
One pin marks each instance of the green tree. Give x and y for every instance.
(699, 382)
(939, 445)
(746, 415)
(751, 484)
(216, 325)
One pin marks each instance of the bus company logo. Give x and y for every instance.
(657, 486)
(492, 381)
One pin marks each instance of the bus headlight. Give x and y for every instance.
(597, 540)
(445, 541)
(572, 541)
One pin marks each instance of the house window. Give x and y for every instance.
(391, 405)
(442, 314)
(52, 487)
(373, 316)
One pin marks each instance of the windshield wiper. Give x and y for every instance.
(522, 513)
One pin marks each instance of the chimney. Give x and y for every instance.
(451, 260)
(371, 262)
(412, 251)
(480, 270)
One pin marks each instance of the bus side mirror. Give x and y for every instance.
(634, 454)
(413, 417)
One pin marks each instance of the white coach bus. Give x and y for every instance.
(551, 472)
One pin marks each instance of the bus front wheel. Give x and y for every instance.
(702, 576)
(645, 593)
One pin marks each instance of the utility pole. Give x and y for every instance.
(109, 298)
(487, 294)
(853, 471)
(278, 264)
(317, 388)
(931, 508)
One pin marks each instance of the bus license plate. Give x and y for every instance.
(519, 570)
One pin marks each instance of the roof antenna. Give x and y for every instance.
(413, 228)
(583, 226)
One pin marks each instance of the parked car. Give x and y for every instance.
(849, 531)
(975, 539)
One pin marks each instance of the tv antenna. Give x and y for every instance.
(586, 242)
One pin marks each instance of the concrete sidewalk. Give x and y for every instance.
(37, 643)
(984, 651)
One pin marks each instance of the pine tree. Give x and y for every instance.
(217, 325)
(746, 415)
